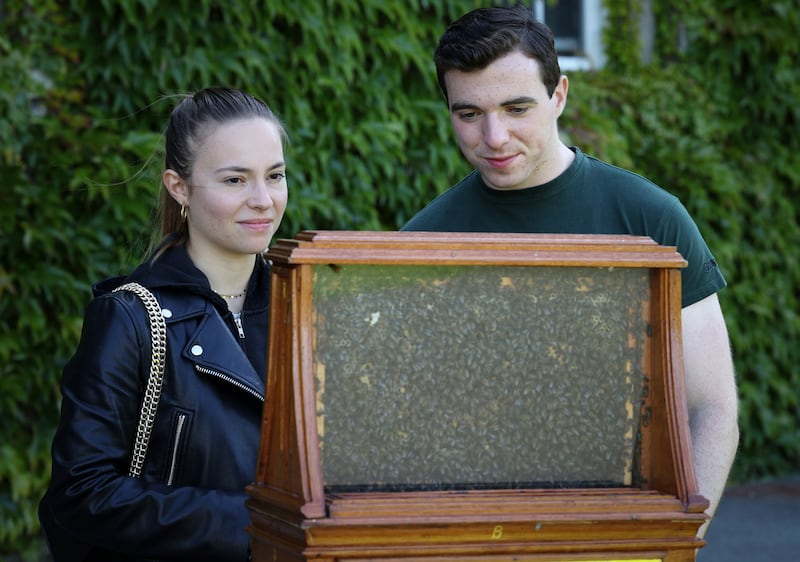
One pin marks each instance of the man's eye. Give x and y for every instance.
(467, 115)
(517, 110)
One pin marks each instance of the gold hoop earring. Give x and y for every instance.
(184, 213)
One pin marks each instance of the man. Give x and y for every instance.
(499, 73)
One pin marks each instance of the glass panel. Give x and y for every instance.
(459, 377)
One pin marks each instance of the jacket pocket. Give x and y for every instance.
(181, 427)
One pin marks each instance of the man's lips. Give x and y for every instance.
(500, 161)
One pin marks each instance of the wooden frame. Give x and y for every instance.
(294, 516)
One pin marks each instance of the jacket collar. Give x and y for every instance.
(174, 270)
(184, 290)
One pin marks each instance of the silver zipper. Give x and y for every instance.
(175, 447)
(228, 379)
(237, 319)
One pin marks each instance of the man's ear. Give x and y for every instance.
(175, 186)
(560, 95)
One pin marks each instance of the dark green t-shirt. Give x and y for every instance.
(590, 197)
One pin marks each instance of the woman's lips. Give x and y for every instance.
(257, 225)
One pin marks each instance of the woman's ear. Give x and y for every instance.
(175, 186)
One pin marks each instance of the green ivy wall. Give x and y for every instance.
(86, 86)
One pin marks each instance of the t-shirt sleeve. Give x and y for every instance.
(702, 276)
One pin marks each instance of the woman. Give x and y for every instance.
(223, 197)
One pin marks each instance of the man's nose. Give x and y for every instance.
(495, 131)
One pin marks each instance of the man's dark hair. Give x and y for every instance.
(480, 37)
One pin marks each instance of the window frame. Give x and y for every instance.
(590, 42)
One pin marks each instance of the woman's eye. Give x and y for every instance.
(276, 176)
(234, 181)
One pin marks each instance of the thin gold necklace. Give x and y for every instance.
(236, 296)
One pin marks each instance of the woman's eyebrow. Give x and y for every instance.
(244, 169)
(231, 169)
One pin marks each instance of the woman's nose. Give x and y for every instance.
(260, 196)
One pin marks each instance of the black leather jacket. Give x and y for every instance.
(190, 502)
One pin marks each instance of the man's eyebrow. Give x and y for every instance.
(521, 100)
(462, 106)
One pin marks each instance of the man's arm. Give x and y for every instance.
(711, 396)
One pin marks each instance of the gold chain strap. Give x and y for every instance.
(152, 394)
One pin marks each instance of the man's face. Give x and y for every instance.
(505, 122)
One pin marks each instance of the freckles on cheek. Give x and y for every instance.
(461, 135)
(464, 134)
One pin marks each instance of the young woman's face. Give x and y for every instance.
(237, 193)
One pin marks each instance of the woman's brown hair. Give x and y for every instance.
(188, 125)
